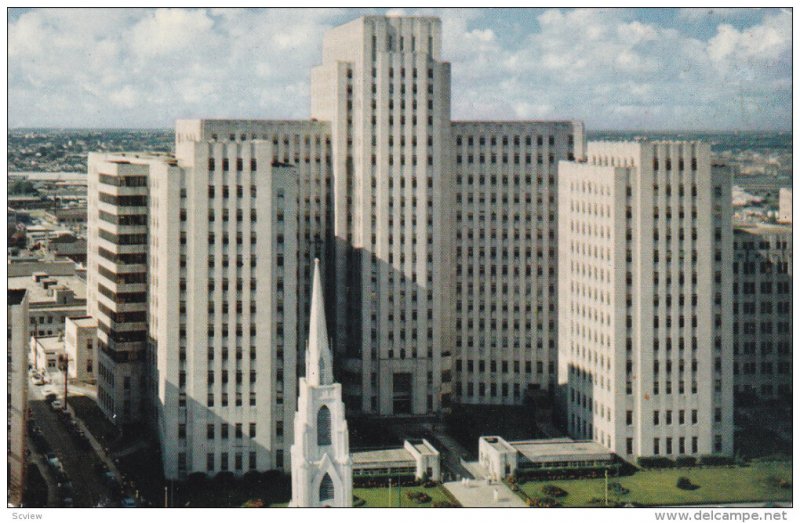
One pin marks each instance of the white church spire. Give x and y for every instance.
(322, 471)
(319, 362)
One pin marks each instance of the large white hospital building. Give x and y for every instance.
(439, 243)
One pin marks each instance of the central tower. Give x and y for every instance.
(386, 92)
(322, 472)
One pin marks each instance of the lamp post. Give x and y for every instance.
(63, 366)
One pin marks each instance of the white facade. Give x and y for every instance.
(784, 205)
(17, 393)
(762, 311)
(80, 344)
(217, 257)
(645, 322)
(322, 470)
(505, 256)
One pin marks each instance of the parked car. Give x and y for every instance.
(128, 502)
(54, 462)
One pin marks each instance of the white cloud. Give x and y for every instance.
(697, 14)
(145, 67)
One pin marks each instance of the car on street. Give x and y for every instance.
(128, 502)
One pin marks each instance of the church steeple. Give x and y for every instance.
(322, 471)
(319, 362)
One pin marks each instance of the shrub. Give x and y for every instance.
(224, 477)
(418, 497)
(685, 483)
(685, 461)
(654, 462)
(253, 503)
(785, 483)
(196, 479)
(544, 502)
(617, 488)
(553, 491)
(430, 483)
(715, 460)
(444, 504)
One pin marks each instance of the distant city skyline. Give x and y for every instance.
(618, 69)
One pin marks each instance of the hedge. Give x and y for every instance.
(714, 459)
(654, 462)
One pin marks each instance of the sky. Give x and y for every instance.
(626, 69)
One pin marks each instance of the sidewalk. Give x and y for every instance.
(482, 493)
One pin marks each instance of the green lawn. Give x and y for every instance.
(379, 497)
(757, 482)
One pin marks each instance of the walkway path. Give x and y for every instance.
(483, 493)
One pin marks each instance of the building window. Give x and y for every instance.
(323, 427)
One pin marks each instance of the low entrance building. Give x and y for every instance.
(415, 460)
(502, 458)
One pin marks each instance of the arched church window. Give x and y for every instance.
(323, 426)
(326, 491)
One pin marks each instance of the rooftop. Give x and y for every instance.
(51, 343)
(762, 228)
(382, 456)
(85, 321)
(38, 294)
(560, 448)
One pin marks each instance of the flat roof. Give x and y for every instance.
(51, 343)
(559, 449)
(38, 294)
(84, 321)
(423, 449)
(383, 456)
(762, 228)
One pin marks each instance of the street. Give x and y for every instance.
(82, 467)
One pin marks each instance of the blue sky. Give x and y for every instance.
(687, 69)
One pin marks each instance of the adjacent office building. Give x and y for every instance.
(762, 312)
(117, 272)
(17, 383)
(80, 345)
(645, 312)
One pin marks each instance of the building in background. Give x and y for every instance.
(17, 393)
(762, 312)
(785, 205)
(645, 312)
(80, 344)
(51, 299)
(46, 351)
